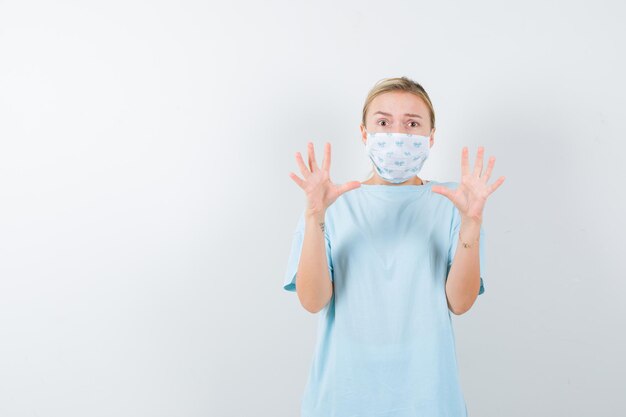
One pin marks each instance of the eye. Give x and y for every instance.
(414, 124)
(382, 122)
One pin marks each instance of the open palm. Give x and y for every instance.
(471, 194)
(320, 191)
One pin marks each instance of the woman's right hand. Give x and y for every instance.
(319, 189)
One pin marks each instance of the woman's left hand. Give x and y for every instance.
(471, 194)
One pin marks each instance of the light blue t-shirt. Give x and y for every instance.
(385, 342)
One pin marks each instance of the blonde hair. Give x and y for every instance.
(398, 84)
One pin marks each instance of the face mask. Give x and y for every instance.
(397, 157)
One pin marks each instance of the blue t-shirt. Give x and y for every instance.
(385, 342)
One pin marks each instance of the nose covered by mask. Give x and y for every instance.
(397, 157)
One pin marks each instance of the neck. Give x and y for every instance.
(376, 180)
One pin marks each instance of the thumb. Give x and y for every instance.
(349, 186)
(440, 189)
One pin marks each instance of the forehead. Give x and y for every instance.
(398, 103)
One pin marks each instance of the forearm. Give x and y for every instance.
(313, 283)
(463, 281)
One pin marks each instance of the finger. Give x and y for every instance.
(464, 162)
(349, 186)
(478, 166)
(440, 189)
(303, 169)
(493, 187)
(312, 163)
(297, 180)
(490, 164)
(326, 161)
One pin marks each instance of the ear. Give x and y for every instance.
(432, 137)
(363, 134)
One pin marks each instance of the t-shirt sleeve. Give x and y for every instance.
(454, 240)
(289, 281)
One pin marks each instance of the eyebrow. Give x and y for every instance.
(406, 114)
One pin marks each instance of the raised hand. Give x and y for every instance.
(471, 194)
(320, 190)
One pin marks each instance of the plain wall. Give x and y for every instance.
(146, 212)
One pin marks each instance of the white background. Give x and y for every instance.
(146, 211)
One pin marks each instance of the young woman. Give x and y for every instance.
(386, 261)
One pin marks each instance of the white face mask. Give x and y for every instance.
(397, 156)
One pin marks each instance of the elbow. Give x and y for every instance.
(462, 309)
(458, 309)
(312, 310)
(313, 300)
(459, 312)
(307, 304)
(460, 304)
(313, 307)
